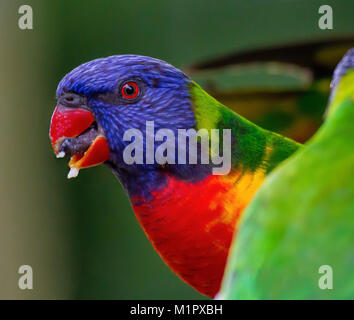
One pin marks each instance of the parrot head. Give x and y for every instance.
(100, 100)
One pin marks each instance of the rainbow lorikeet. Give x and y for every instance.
(188, 213)
(299, 227)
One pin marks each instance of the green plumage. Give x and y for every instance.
(283, 89)
(252, 146)
(302, 217)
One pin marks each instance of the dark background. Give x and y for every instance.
(80, 236)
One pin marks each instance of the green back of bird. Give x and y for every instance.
(296, 239)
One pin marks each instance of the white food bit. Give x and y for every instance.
(73, 173)
(61, 154)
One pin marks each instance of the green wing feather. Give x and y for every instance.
(283, 89)
(303, 215)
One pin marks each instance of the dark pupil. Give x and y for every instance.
(129, 90)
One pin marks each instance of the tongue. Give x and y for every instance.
(80, 144)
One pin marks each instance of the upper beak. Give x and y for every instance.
(73, 123)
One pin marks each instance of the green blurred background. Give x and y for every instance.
(80, 236)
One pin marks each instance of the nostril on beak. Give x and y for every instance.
(71, 100)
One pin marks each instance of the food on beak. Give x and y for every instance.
(73, 173)
(61, 154)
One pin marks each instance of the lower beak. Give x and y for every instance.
(73, 123)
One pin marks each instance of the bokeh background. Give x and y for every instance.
(80, 236)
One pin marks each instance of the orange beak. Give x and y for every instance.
(71, 123)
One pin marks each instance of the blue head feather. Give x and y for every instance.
(166, 101)
(343, 66)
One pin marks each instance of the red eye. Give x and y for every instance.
(130, 90)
